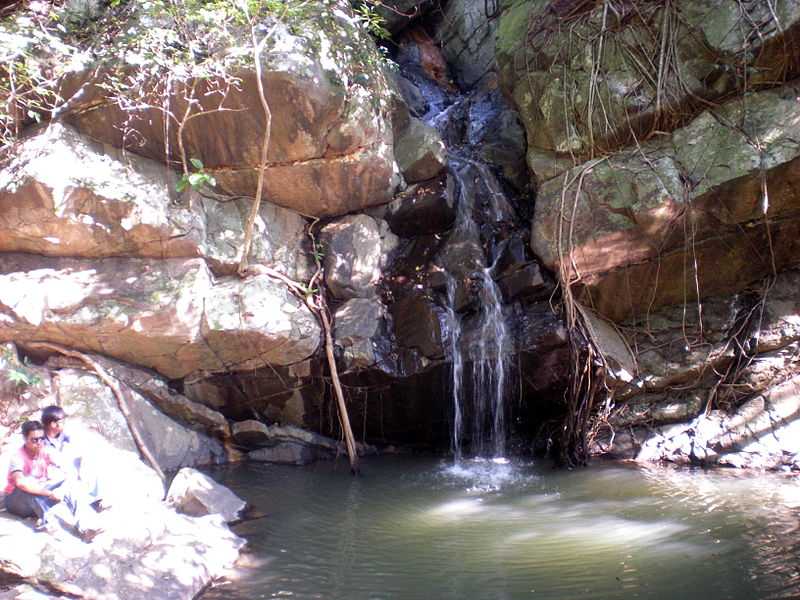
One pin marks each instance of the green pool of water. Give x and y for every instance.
(412, 528)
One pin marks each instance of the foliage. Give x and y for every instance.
(142, 51)
(197, 179)
(19, 374)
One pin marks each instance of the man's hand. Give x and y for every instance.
(55, 496)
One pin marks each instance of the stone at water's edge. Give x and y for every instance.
(197, 495)
(636, 217)
(169, 315)
(330, 149)
(659, 414)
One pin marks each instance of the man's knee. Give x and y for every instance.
(22, 504)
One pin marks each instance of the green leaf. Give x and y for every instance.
(196, 163)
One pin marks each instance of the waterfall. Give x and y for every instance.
(458, 368)
(484, 398)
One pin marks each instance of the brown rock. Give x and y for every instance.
(168, 315)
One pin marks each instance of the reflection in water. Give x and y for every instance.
(412, 528)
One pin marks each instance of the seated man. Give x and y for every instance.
(64, 453)
(35, 485)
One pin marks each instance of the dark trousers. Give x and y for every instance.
(23, 504)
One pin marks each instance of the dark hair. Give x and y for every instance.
(52, 413)
(29, 426)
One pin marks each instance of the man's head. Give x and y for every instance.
(33, 433)
(52, 417)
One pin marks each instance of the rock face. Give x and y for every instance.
(330, 148)
(64, 195)
(359, 328)
(730, 399)
(587, 80)
(637, 216)
(168, 315)
(467, 37)
(356, 250)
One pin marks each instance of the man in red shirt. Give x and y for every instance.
(35, 485)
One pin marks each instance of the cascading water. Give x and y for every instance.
(485, 393)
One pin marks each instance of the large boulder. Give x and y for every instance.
(627, 224)
(330, 149)
(196, 494)
(588, 80)
(420, 152)
(65, 195)
(145, 549)
(169, 315)
(356, 250)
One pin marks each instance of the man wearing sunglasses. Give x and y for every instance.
(66, 455)
(35, 485)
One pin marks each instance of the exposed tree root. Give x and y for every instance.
(118, 392)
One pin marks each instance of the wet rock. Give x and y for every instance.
(336, 154)
(359, 325)
(525, 282)
(197, 495)
(424, 209)
(495, 131)
(418, 324)
(169, 315)
(420, 152)
(630, 212)
(357, 248)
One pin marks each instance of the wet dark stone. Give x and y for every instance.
(424, 209)
(525, 282)
(414, 98)
(417, 324)
(494, 129)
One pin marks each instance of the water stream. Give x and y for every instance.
(412, 528)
